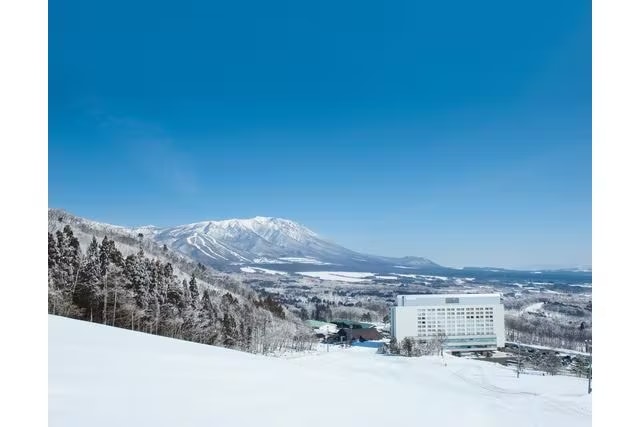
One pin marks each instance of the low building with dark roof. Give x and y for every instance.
(345, 323)
(360, 334)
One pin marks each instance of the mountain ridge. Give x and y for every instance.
(341, 259)
(257, 240)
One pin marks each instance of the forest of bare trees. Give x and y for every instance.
(546, 332)
(410, 347)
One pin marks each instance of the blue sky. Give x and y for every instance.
(460, 132)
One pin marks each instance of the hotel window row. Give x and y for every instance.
(457, 321)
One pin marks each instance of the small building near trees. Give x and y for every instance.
(360, 334)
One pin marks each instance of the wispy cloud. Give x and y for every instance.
(163, 161)
(151, 150)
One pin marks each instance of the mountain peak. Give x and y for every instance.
(265, 218)
(259, 225)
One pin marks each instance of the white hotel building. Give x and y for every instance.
(469, 322)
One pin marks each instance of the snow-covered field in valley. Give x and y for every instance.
(534, 308)
(262, 270)
(342, 276)
(104, 376)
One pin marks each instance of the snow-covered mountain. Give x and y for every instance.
(259, 240)
(256, 240)
(264, 240)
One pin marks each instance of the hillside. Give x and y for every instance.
(112, 377)
(107, 274)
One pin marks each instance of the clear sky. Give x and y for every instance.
(459, 131)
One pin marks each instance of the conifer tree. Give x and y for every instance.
(193, 290)
(186, 293)
(407, 346)
(54, 253)
(87, 297)
(228, 330)
(393, 346)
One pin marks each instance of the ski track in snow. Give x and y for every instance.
(192, 241)
(215, 242)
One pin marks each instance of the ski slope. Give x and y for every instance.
(104, 376)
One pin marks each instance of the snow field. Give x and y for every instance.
(262, 270)
(112, 376)
(341, 276)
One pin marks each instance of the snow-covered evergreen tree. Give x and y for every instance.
(193, 291)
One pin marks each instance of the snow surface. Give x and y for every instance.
(304, 260)
(262, 270)
(327, 329)
(289, 260)
(534, 308)
(107, 376)
(263, 260)
(342, 276)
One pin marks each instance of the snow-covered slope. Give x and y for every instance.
(259, 240)
(113, 377)
(127, 239)
(128, 242)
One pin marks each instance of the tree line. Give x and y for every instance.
(551, 363)
(144, 294)
(547, 332)
(410, 347)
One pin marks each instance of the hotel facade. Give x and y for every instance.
(467, 322)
